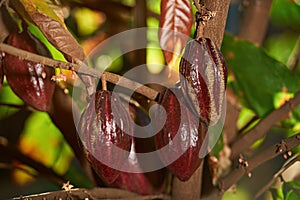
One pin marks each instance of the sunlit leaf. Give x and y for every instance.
(283, 47)
(34, 30)
(40, 13)
(42, 141)
(9, 97)
(176, 22)
(88, 21)
(277, 193)
(22, 174)
(285, 13)
(257, 77)
(291, 190)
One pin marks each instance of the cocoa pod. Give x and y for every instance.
(102, 136)
(136, 182)
(204, 79)
(181, 137)
(31, 81)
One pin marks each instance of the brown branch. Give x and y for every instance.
(230, 131)
(182, 190)
(214, 28)
(282, 147)
(261, 128)
(11, 152)
(285, 167)
(255, 21)
(81, 69)
(94, 194)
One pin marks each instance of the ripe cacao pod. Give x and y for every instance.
(204, 79)
(25, 77)
(101, 129)
(135, 182)
(181, 137)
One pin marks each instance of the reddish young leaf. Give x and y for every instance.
(102, 135)
(176, 22)
(29, 80)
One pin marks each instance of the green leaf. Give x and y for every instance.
(283, 47)
(7, 96)
(42, 141)
(257, 77)
(276, 193)
(291, 190)
(285, 13)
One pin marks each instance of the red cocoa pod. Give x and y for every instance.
(101, 128)
(181, 138)
(31, 81)
(136, 182)
(204, 79)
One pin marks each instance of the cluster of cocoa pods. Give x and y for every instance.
(193, 107)
(109, 135)
(31, 81)
(190, 110)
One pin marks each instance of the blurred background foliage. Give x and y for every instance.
(263, 78)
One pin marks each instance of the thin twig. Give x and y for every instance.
(261, 128)
(285, 167)
(95, 193)
(81, 68)
(282, 147)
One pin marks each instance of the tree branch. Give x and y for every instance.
(265, 124)
(81, 69)
(94, 194)
(214, 28)
(182, 190)
(285, 167)
(255, 21)
(282, 147)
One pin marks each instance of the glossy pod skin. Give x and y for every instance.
(190, 132)
(204, 79)
(136, 182)
(103, 137)
(25, 77)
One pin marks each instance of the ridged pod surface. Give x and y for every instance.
(204, 79)
(181, 137)
(101, 130)
(136, 182)
(31, 81)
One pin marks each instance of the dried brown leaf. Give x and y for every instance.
(54, 29)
